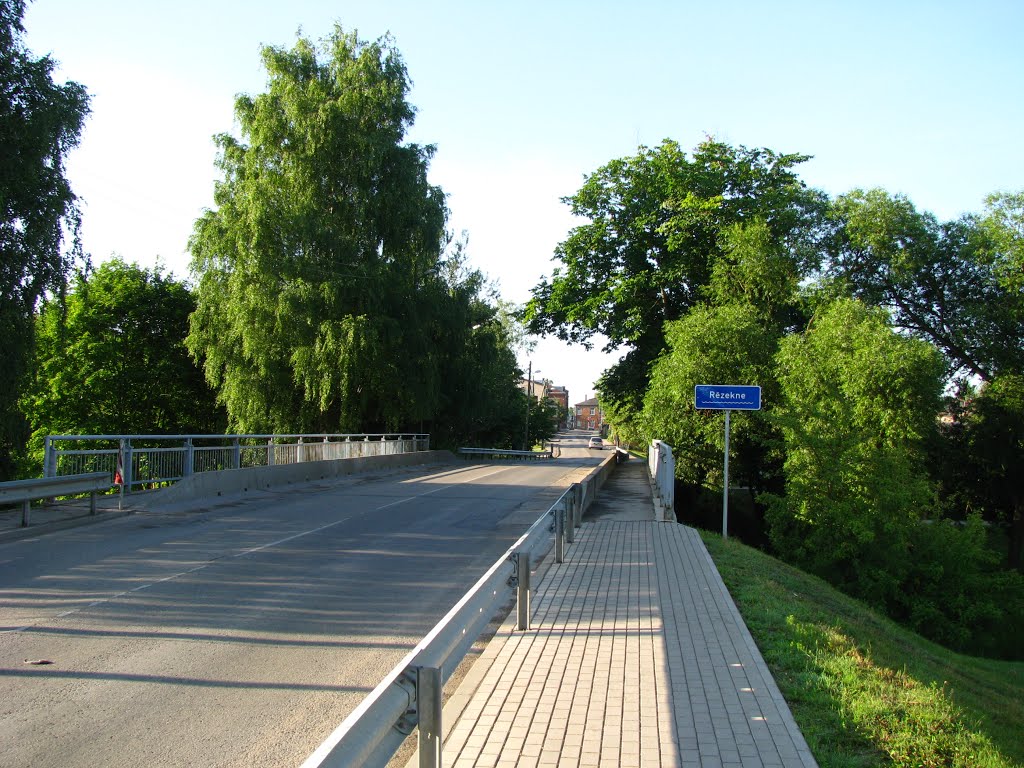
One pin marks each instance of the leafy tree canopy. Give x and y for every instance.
(656, 228)
(480, 401)
(713, 344)
(950, 283)
(857, 403)
(752, 299)
(993, 461)
(1004, 224)
(112, 359)
(40, 122)
(320, 303)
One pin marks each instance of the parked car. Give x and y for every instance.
(596, 443)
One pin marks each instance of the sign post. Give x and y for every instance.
(727, 397)
(725, 485)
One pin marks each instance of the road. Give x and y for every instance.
(242, 634)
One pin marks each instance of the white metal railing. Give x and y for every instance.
(662, 466)
(409, 697)
(149, 460)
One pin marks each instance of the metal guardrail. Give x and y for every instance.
(409, 697)
(503, 453)
(24, 492)
(150, 460)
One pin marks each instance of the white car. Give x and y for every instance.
(596, 443)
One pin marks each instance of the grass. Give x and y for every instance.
(865, 691)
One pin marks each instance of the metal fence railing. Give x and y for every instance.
(409, 697)
(662, 466)
(146, 461)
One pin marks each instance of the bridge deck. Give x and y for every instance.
(637, 657)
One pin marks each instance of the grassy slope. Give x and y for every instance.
(865, 691)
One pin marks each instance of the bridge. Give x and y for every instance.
(242, 629)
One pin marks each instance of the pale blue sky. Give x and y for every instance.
(523, 100)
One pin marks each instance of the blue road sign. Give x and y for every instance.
(729, 397)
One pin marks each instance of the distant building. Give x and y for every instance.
(536, 387)
(588, 415)
(543, 389)
(560, 395)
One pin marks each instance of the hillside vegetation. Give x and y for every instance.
(888, 346)
(865, 691)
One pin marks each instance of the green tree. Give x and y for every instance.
(481, 404)
(545, 414)
(949, 283)
(714, 344)
(40, 122)
(112, 359)
(995, 456)
(858, 402)
(954, 591)
(654, 232)
(751, 301)
(1003, 222)
(320, 301)
(958, 285)
(758, 271)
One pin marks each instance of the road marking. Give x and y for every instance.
(243, 553)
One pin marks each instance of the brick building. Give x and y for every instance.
(588, 415)
(560, 395)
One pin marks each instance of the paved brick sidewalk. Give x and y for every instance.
(637, 657)
(726, 707)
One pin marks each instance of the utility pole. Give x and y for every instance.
(529, 392)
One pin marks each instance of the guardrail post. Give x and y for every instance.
(570, 510)
(523, 591)
(127, 469)
(26, 507)
(49, 459)
(189, 464)
(270, 451)
(560, 534)
(429, 685)
(236, 453)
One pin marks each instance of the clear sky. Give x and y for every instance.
(524, 99)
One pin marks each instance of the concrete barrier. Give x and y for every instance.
(231, 482)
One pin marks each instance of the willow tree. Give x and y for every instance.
(858, 402)
(40, 122)
(318, 270)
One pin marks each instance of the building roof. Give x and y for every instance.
(591, 401)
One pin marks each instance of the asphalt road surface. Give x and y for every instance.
(243, 634)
